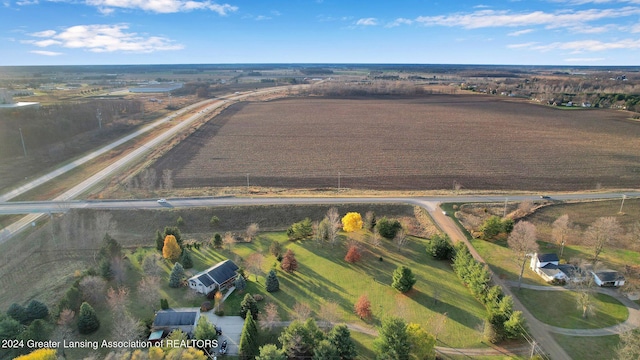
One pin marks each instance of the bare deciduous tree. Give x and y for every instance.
(118, 270)
(439, 323)
(93, 289)
(167, 179)
(526, 206)
(148, 179)
(252, 231)
(229, 240)
(149, 290)
(629, 346)
(117, 299)
(401, 239)
(333, 225)
(560, 231)
(375, 239)
(151, 265)
(329, 313)
(125, 327)
(602, 232)
(634, 236)
(269, 318)
(254, 264)
(522, 241)
(301, 312)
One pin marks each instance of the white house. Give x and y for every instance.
(220, 276)
(541, 260)
(608, 278)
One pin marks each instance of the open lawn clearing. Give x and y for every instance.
(588, 347)
(560, 308)
(325, 276)
(503, 262)
(444, 138)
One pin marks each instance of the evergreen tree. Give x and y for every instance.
(299, 339)
(240, 283)
(324, 351)
(273, 284)
(164, 304)
(393, 341)
(177, 274)
(217, 241)
(159, 240)
(270, 352)
(388, 228)
(36, 331)
(10, 328)
(403, 279)
(440, 248)
(110, 248)
(186, 260)
(340, 339)
(249, 305)
(18, 313)
(205, 330)
(87, 319)
(104, 269)
(248, 347)
(37, 310)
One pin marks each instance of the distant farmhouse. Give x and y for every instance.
(549, 268)
(156, 87)
(6, 101)
(220, 276)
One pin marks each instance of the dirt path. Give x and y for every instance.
(537, 329)
(632, 322)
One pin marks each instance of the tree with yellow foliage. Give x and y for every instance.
(40, 354)
(171, 250)
(352, 222)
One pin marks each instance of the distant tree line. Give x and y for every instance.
(398, 88)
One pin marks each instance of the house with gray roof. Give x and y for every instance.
(608, 278)
(220, 276)
(171, 319)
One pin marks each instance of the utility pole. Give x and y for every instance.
(247, 182)
(338, 181)
(504, 213)
(99, 117)
(24, 148)
(621, 205)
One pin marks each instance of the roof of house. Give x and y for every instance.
(223, 271)
(548, 257)
(205, 280)
(572, 271)
(175, 318)
(552, 271)
(219, 273)
(609, 275)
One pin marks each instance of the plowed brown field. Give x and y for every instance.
(420, 143)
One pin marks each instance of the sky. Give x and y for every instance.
(527, 32)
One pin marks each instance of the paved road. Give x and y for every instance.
(211, 104)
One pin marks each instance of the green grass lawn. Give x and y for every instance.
(559, 308)
(588, 347)
(323, 276)
(502, 261)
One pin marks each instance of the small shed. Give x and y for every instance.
(608, 278)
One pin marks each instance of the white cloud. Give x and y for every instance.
(46, 53)
(162, 6)
(104, 38)
(584, 60)
(46, 33)
(580, 46)
(367, 22)
(262, 17)
(399, 21)
(27, 2)
(635, 28)
(522, 45)
(520, 32)
(503, 18)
